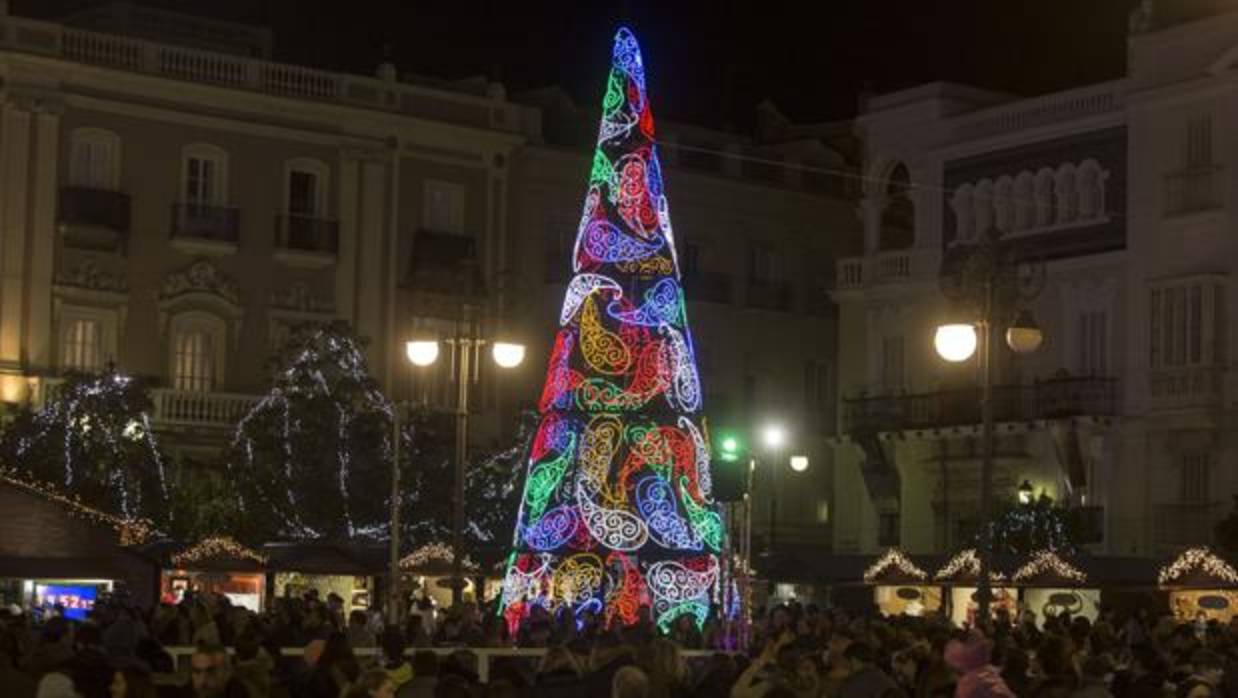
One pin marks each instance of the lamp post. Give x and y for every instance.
(1026, 493)
(991, 280)
(773, 436)
(465, 365)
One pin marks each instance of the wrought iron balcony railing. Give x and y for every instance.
(206, 222)
(307, 234)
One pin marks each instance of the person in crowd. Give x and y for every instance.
(398, 669)
(558, 674)
(978, 678)
(1094, 679)
(865, 679)
(335, 670)
(132, 682)
(630, 682)
(210, 674)
(359, 633)
(425, 676)
(1207, 670)
(55, 684)
(373, 683)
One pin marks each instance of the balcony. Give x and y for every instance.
(1185, 387)
(707, 287)
(445, 264)
(1052, 399)
(306, 241)
(1194, 190)
(888, 267)
(180, 408)
(205, 228)
(769, 295)
(94, 219)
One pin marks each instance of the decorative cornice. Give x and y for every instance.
(298, 298)
(200, 277)
(90, 276)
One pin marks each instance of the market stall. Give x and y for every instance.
(1200, 584)
(962, 574)
(217, 565)
(348, 570)
(427, 574)
(1052, 586)
(900, 587)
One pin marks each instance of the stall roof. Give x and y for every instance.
(894, 568)
(1198, 568)
(327, 557)
(128, 531)
(218, 554)
(1046, 569)
(435, 559)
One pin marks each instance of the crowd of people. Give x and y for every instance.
(796, 651)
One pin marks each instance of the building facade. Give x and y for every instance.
(1122, 190)
(174, 207)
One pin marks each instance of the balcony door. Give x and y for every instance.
(95, 162)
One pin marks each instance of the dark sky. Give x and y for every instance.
(708, 62)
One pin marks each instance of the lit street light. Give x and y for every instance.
(799, 463)
(774, 436)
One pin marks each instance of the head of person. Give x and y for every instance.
(964, 655)
(209, 669)
(559, 659)
(131, 682)
(629, 682)
(1208, 665)
(373, 683)
(857, 656)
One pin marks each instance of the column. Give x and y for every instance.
(346, 264)
(14, 164)
(372, 255)
(38, 336)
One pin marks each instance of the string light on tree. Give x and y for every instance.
(129, 531)
(617, 510)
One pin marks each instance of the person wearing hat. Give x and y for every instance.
(969, 658)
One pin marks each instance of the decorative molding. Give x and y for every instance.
(299, 299)
(200, 277)
(90, 276)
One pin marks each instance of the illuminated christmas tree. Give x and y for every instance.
(617, 512)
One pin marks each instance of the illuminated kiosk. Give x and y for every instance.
(1052, 586)
(217, 565)
(347, 569)
(617, 512)
(900, 587)
(427, 572)
(1200, 582)
(961, 574)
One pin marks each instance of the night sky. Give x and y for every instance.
(709, 62)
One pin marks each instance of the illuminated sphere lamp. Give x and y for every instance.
(421, 352)
(799, 463)
(1024, 336)
(1026, 492)
(955, 342)
(507, 354)
(774, 436)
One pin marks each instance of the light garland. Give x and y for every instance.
(617, 510)
(1047, 561)
(966, 563)
(434, 552)
(896, 560)
(1201, 559)
(129, 531)
(213, 547)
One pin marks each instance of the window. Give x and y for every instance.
(817, 395)
(443, 207)
(306, 188)
(892, 363)
(1093, 338)
(82, 345)
(760, 262)
(888, 529)
(194, 370)
(205, 175)
(1193, 486)
(95, 159)
(823, 511)
(1197, 149)
(1184, 324)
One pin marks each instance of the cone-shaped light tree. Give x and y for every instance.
(617, 512)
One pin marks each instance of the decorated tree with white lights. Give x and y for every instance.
(312, 458)
(93, 441)
(617, 511)
(1023, 529)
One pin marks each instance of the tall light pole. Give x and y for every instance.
(774, 437)
(465, 366)
(991, 280)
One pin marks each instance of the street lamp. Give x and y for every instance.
(774, 436)
(465, 348)
(1026, 492)
(799, 463)
(993, 280)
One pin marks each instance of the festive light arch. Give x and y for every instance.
(215, 547)
(893, 561)
(1200, 560)
(965, 564)
(617, 511)
(1048, 562)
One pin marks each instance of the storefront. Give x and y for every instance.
(1052, 586)
(347, 570)
(56, 552)
(427, 574)
(1200, 585)
(217, 565)
(961, 575)
(900, 587)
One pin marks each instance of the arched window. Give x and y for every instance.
(1044, 198)
(1091, 190)
(94, 159)
(1003, 206)
(983, 203)
(1024, 201)
(197, 352)
(898, 218)
(964, 213)
(1066, 194)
